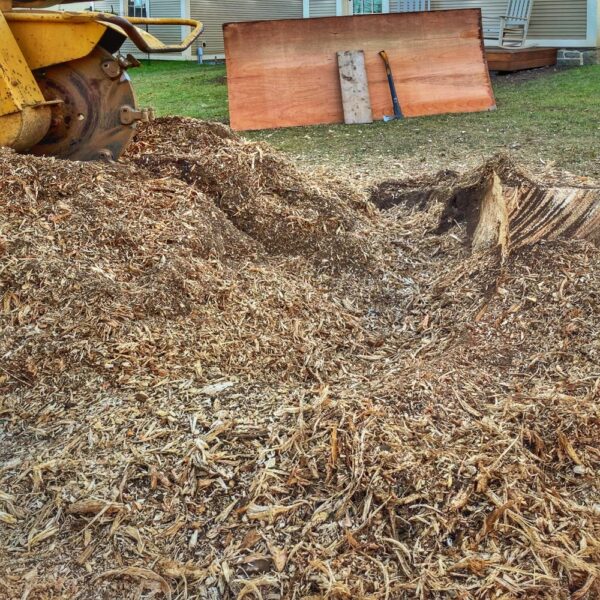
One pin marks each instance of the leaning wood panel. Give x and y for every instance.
(285, 73)
(354, 85)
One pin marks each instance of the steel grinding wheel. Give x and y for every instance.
(94, 115)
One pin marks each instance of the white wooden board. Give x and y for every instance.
(355, 87)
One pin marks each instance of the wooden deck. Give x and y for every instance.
(519, 59)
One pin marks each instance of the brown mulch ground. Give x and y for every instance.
(223, 377)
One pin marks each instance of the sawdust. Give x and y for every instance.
(263, 194)
(195, 409)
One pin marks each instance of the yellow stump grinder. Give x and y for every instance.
(64, 87)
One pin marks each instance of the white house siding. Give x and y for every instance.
(214, 14)
(168, 34)
(550, 19)
(489, 8)
(75, 7)
(162, 9)
(558, 19)
(107, 6)
(322, 8)
(554, 21)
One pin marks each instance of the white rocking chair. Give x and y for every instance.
(510, 29)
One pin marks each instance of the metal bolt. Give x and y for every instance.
(111, 68)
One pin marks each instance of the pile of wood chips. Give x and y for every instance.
(226, 378)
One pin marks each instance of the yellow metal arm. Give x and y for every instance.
(146, 42)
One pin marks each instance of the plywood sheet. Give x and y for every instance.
(354, 84)
(285, 73)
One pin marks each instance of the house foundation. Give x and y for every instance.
(574, 57)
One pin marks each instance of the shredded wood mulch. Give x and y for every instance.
(223, 377)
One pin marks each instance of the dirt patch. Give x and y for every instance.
(526, 75)
(191, 409)
(219, 80)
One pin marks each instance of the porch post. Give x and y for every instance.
(186, 13)
(306, 8)
(597, 21)
(593, 23)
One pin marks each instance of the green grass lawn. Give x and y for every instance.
(182, 88)
(550, 118)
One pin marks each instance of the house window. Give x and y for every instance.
(367, 7)
(137, 8)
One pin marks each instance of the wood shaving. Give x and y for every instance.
(224, 377)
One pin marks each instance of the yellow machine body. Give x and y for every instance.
(24, 117)
(49, 42)
(55, 71)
